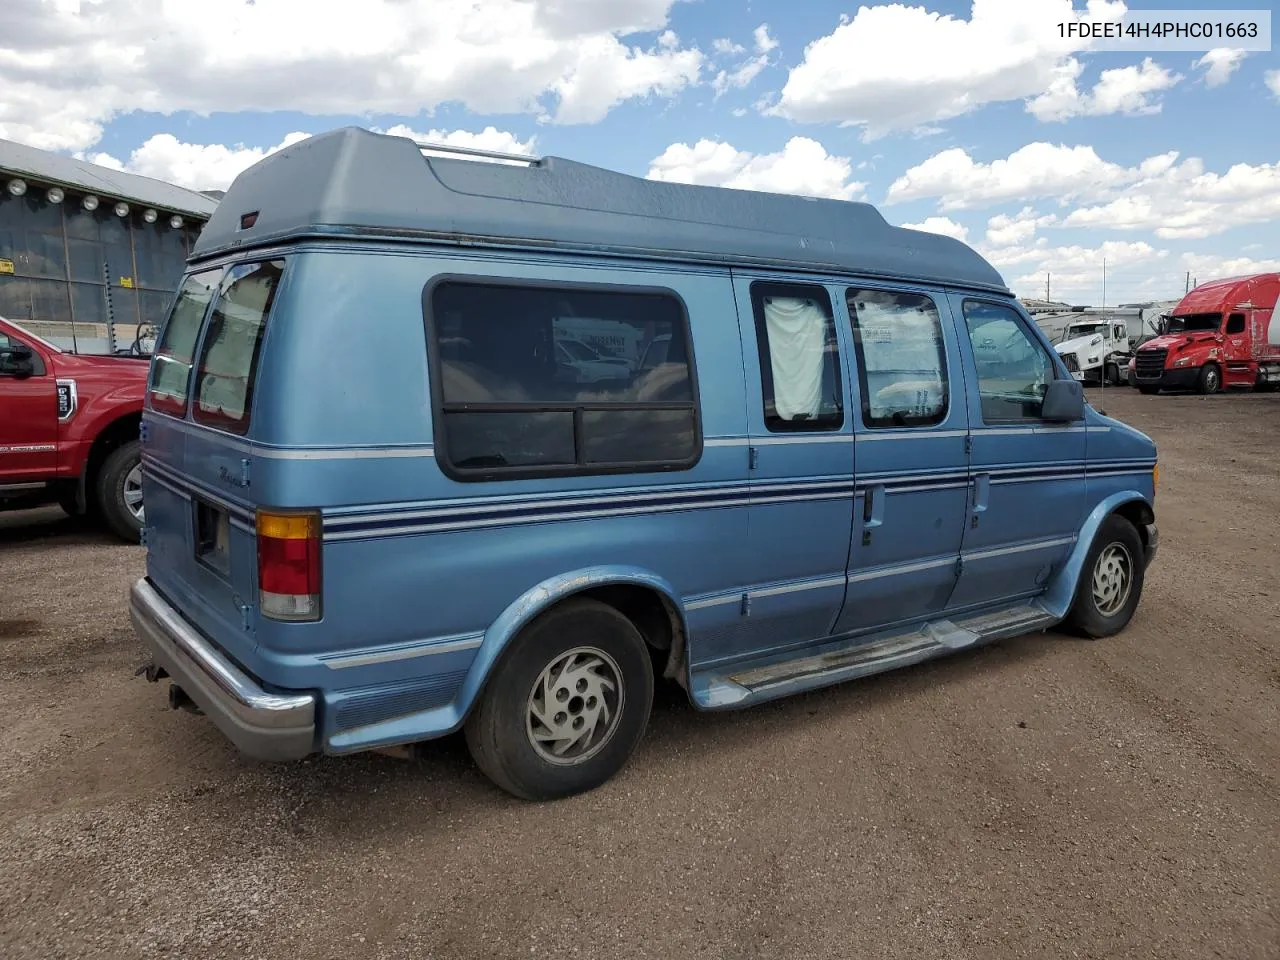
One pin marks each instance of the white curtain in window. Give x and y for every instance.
(797, 343)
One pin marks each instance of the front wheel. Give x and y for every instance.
(120, 491)
(566, 707)
(1210, 380)
(1110, 582)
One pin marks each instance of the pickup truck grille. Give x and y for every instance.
(1150, 363)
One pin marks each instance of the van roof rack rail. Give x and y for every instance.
(475, 152)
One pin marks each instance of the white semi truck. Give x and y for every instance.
(1096, 350)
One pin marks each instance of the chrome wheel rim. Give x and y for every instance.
(574, 706)
(133, 493)
(1211, 381)
(1112, 579)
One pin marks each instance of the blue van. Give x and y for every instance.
(453, 444)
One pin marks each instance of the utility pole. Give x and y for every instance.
(1046, 286)
(1188, 287)
(1104, 283)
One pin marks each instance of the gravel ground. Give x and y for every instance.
(1040, 797)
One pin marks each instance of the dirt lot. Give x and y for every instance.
(1042, 797)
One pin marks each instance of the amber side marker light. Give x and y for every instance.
(289, 545)
(1155, 478)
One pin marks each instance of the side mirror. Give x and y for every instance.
(1063, 401)
(17, 361)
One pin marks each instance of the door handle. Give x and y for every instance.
(873, 507)
(981, 493)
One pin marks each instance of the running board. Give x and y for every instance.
(846, 658)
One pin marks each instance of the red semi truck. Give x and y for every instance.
(69, 430)
(1220, 335)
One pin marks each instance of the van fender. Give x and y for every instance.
(543, 596)
(1061, 594)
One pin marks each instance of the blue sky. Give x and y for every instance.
(962, 117)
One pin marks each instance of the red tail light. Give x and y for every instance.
(289, 565)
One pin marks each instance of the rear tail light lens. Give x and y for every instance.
(289, 565)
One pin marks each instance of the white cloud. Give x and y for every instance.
(1134, 270)
(1184, 201)
(1210, 266)
(740, 77)
(1005, 230)
(764, 42)
(1124, 90)
(1219, 64)
(747, 70)
(725, 47)
(802, 167)
(1033, 171)
(68, 68)
(1273, 82)
(1172, 199)
(213, 166)
(197, 166)
(895, 67)
(943, 225)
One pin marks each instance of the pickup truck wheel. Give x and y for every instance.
(566, 706)
(1210, 380)
(1110, 582)
(120, 491)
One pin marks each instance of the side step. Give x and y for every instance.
(846, 658)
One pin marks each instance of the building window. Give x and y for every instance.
(902, 359)
(799, 358)
(533, 380)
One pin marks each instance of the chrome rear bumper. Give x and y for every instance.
(266, 725)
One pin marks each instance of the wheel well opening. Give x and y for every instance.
(654, 616)
(1139, 514)
(116, 433)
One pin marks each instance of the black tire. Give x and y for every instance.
(498, 731)
(116, 514)
(1148, 391)
(1087, 616)
(1111, 372)
(1210, 379)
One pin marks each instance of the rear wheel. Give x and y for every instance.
(1110, 582)
(566, 707)
(119, 491)
(1210, 380)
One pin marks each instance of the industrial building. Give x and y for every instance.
(90, 256)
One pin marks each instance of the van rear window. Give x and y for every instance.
(231, 348)
(171, 368)
(543, 380)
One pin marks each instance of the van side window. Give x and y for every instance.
(902, 359)
(1013, 369)
(232, 345)
(1235, 323)
(799, 357)
(174, 354)
(538, 380)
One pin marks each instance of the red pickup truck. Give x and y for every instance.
(69, 430)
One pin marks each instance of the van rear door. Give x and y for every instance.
(202, 542)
